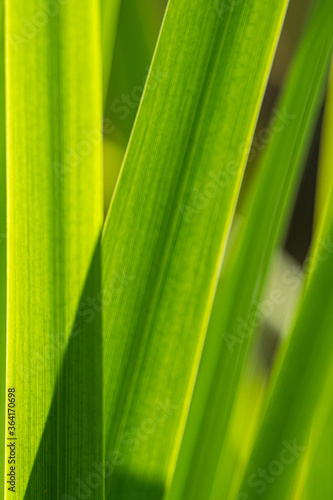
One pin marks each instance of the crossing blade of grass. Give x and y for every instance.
(168, 224)
(325, 175)
(317, 480)
(54, 104)
(315, 469)
(236, 307)
(316, 472)
(2, 245)
(323, 205)
(299, 384)
(292, 406)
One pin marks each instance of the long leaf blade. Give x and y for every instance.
(165, 245)
(54, 223)
(307, 361)
(235, 313)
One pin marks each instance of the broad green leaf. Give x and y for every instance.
(2, 246)
(238, 308)
(54, 112)
(168, 224)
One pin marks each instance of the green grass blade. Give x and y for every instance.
(284, 433)
(54, 112)
(325, 174)
(2, 246)
(168, 224)
(235, 312)
(109, 20)
(316, 479)
(293, 407)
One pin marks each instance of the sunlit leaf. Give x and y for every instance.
(168, 225)
(54, 103)
(238, 308)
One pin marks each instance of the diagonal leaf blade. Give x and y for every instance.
(292, 409)
(290, 412)
(236, 308)
(163, 241)
(317, 464)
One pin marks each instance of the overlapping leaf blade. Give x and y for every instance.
(316, 471)
(168, 224)
(293, 408)
(235, 313)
